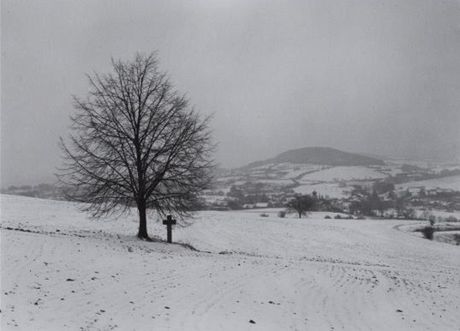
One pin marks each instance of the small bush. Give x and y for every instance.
(264, 215)
(457, 239)
(409, 214)
(338, 217)
(428, 232)
(282, 214)
(327, 217)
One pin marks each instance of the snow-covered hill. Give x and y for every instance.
(322, 156)
(64, 271)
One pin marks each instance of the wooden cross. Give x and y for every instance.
(169, 222)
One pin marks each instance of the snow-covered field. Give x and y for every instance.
(449, 183)
(249, 273)
(295, 170)
(343, 173)
(331, 190)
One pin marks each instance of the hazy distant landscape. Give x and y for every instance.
(334, 175)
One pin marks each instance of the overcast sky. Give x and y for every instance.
(380, 77)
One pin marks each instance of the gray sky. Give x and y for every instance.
(380, 77)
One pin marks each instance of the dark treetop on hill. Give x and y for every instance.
(136, 142)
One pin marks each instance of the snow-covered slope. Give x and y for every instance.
(330, 190)
(343, 173)
(250, 273)
(448, 183)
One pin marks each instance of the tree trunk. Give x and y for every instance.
(300, 214)
(142, 234)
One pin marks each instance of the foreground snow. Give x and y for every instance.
(73, 273)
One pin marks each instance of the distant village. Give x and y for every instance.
(381, 197)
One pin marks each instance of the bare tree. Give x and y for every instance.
(301, 204)
(135, 141)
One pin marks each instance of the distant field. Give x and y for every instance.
(330, 190)
(276, 182)
(451, 183)
(296, 170)
(343, 173)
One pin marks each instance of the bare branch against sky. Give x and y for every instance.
(380, 77)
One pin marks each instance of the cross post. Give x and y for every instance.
(169, 222)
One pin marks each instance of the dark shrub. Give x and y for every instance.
(457, 239)
(327, 217)
(428, 232)
(282, 214)
(338, 217)
(451, 219)
(302, 204)
(264, 215)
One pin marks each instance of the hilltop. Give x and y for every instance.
(320, 155)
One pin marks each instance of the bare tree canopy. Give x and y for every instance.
(301, 204)
(136, 141)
